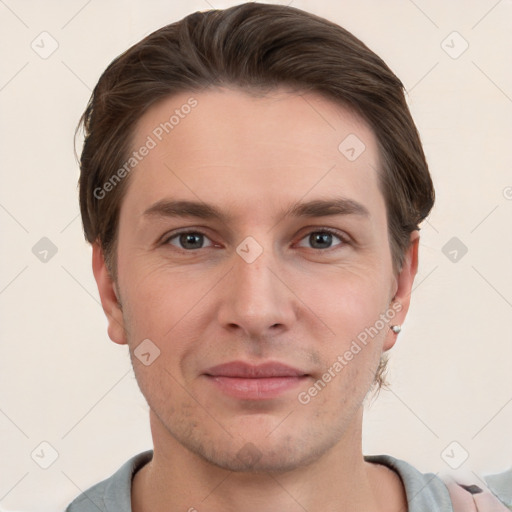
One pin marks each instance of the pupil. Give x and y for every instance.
(191, 240)
(320, 240)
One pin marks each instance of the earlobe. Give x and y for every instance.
(404, 283)
(109, 296)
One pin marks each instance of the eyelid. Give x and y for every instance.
(165, 239)
(344, 238)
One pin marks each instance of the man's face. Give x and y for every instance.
(255, 260)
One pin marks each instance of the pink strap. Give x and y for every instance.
(462, 500)
(486, 501)
(465, 501)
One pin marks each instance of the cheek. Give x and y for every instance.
(347, 300)
(161, 298)
(350, 303)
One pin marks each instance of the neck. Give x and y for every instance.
(177, 479)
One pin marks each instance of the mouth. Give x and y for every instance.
(255, 382)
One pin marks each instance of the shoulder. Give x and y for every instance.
(113, 493)
(427, 491)
(424, 491)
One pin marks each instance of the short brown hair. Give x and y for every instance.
(257, 47)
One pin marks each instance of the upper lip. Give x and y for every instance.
(241, 369)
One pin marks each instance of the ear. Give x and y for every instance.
(404, 282)
(108, 295)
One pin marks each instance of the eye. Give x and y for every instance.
(189, 240)
(321, 239)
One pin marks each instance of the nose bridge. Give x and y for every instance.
(255, 299)
(254, 281)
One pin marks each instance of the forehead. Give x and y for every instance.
(224, 146)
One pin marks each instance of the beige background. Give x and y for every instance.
(64, 383)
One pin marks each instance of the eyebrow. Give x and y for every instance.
(325, 207)
(315, 208)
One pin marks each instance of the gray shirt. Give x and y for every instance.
(425, 491)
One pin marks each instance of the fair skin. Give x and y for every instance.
(301, 302)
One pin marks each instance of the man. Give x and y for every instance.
(252, 184)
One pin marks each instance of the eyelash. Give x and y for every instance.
(342, 237)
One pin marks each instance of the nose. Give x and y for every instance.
(256, 300)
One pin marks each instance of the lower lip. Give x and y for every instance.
(255, 389)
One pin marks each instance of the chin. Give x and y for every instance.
(252, 459)
(261, 453)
